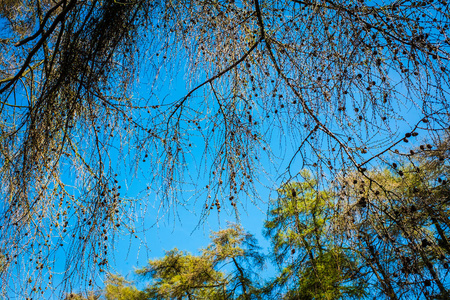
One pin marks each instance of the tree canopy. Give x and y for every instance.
(331, 86)
(179, 275)
(314, 261)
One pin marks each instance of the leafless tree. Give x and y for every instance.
(328, 81)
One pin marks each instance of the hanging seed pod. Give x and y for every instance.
(362, 202)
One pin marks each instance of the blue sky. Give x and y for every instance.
(183, 227)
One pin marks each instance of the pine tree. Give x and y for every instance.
(313, 262)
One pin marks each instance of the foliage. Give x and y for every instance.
(179, 275)
(89, 296)
(331, 80)
(397, 220)
(313, 263)
(381, 233)
(117, 288)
